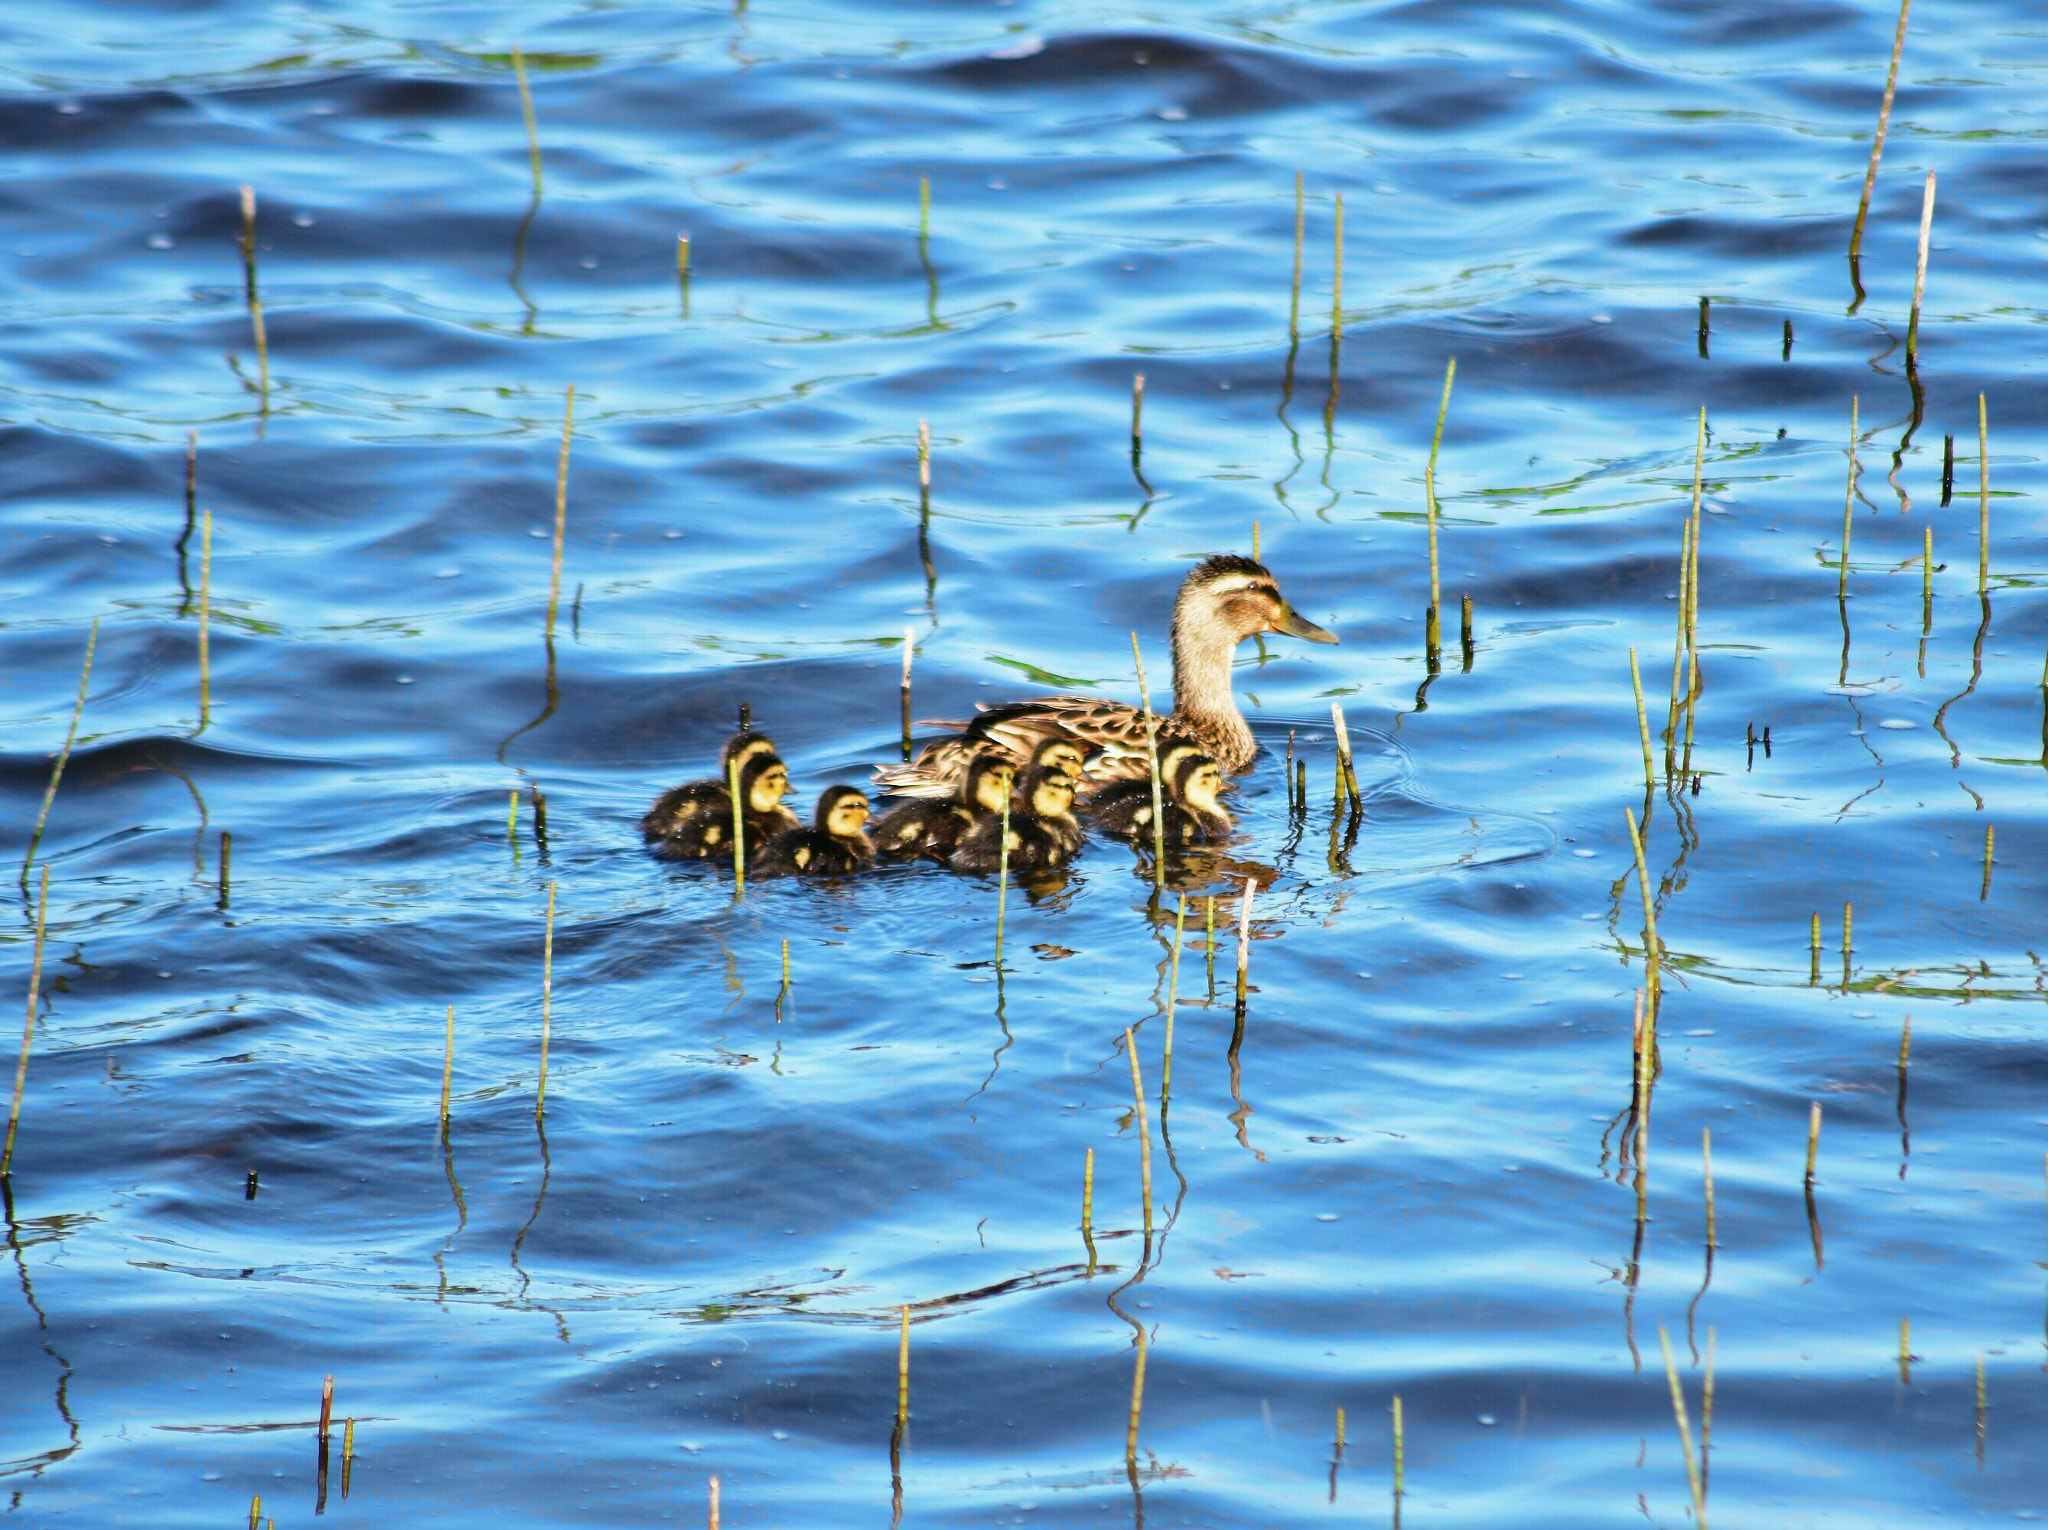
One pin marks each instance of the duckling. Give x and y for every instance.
(706, 833)
(1043, 830)
(1222, 601)
(1189, 784)
(919, 826)
(835, 846)
(694, 799)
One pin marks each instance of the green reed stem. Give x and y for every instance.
(1651, 944)
(28, 1028)
(526, 111)
(1337, 278)
(92, 638)
(1400, 1452)
(1152, 764)
(1812, 1140)
(1635, 676)
(1848, 501)
(1347, 773)
(1244, 940)
(547, 1001)
(1137, 1403)
(1692, 1467)
(1294, 292)
(1144, 1130)
(561, 506)
(739, 826)
(1707, 1173)
(1180, 919)
(903, 1369)
(1920, 272)
(248, 243)
(1429, 479)
(205, 617)
(1884, 117)
(1983, 498)
(1002, 872)
(447, 1067)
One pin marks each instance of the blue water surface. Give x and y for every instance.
(1418, 1165)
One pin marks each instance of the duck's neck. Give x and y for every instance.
(1202, 696)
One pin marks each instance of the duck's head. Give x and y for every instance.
(842, 810)
(764, 782)
(1060, 753)
(1048, 792)
(1234, 597)
(1198, 782)
(987, 784)
(742, 747)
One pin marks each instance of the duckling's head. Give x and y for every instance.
(988, 783)
(1061, 753)
(1199, 783)
(1229, 597)
(764, 782)
(742, 747)
(1049, 792)
(842, 810)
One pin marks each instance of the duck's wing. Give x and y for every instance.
(1111, 733)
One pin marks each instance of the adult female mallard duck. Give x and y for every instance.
(677, 806)
(837, 843)
(1189, 783)
(1223, 601)
(705, 832)
(1043, 832)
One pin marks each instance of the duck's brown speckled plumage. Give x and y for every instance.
(1223, 601)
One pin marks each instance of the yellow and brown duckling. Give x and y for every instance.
(836, 844)
(1189, 786)
(1043, 832)
(694, 799)
(1222, 601)
(700, 827)
(919, 826)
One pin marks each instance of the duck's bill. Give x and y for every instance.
(1293, 624)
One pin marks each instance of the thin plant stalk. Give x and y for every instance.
(1692, 1466)
(1137, 412)
(205, 616)
(1137, 1403)
(712, 1520)
(1678, 638)
(1180, 920)
(1707, 1171)
(1002, 875)
(255, 303)
(683, 270)
(1983, 498)
(1244, 939)
(1812, 1140)
(28, 1028)
(1337, 279)
(1088, 1194)
(1294, 293)
(1848, 501)
(547, 1003)
(1347, 773)
(1884, 117)
(1152, 764)
(903, 1369)
(1920, 272)
(739, 827)
(526, 112)
(561, 506)
(1144, 1130)
(447, 1067)
(1635, 676)
(1400, 1452)
(1651, 943)
(92, 638)
(1429, 484)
